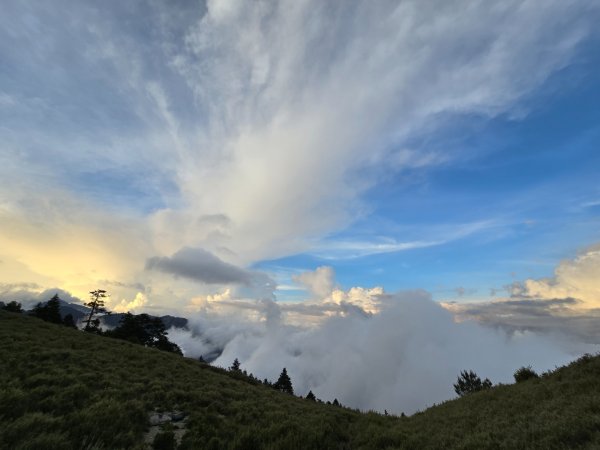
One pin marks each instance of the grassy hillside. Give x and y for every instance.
(62, 388)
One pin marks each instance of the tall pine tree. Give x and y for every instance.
(284, 383)
(235, 367)
(50, 312)
(96, 305)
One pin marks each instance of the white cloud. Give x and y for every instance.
(201, 302)
(296, 140)
(134, 306)
(567, 303)
(577, 278)
(320, 282)
(402, 358)
(325, 292)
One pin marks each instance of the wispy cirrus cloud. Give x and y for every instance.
(433, 236)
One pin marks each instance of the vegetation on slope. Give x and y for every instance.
(61, 388)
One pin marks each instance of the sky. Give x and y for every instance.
(304, 163)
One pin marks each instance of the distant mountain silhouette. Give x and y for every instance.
(79, 312)
(113, 320)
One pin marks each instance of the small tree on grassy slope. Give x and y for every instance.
(235, 367)
(524, 374)
(468, 382)
(14, 307)
(96, 305)
(284, 383)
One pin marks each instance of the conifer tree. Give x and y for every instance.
(96, 305)
(284, 383)
(53, 310)
(468, 382)
(13, 306)
(235, 367)
(310, 396)
(50, 312)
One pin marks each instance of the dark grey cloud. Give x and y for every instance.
(137, 286)
(200, 265)
(558, 315)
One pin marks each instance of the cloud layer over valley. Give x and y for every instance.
(403, 358)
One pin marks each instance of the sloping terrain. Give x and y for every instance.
(61, 388)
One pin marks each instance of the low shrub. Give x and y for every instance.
(524, 374)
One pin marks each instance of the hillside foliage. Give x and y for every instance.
(64, 389)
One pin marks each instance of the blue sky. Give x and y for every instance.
(449, 147)
(533, 179)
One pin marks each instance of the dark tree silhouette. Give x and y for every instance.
(524, 374)
(235, 367)
(68, 321)
(310, 396)
(96, 305)
(50, 312)
(144, 330)
(335, 402)
(468, 382)
(284, 383)
(53, 310)
(14, 307)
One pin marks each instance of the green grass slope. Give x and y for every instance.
(64, 389)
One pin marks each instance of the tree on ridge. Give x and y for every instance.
(144, 330)
(468, 382)
(235, 367)
(96, 305)
(50, 312)
(284, 383)
(14, 307)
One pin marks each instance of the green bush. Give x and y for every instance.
(524, 374)
(468, 382)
